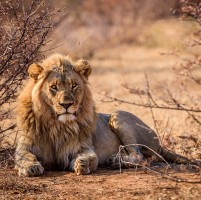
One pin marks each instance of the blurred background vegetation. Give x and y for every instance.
(87, 26)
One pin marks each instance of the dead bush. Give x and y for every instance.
(24, 27)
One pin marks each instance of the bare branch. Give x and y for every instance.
(162, 174)
(110, 99)
(24, 28)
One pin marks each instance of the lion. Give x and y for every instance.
(60, 129)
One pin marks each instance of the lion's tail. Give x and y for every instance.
(173, 157)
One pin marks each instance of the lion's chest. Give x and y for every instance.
(57, 151)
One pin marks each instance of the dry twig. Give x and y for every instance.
(24, 28)
(162, 174)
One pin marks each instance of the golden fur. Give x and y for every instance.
(52, 136)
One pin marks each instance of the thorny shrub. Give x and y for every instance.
(24, 27)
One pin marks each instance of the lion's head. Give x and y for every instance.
(60, 85)
(57, 93)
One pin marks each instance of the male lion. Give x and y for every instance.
(59, 128)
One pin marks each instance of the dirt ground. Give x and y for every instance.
(103, 184)
(112, 67)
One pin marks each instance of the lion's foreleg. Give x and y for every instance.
(85, 162)
(25, 162)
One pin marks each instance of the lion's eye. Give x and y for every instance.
(74, 85)
(54, 87)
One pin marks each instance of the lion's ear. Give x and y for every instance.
(34, 70)
(83, 67)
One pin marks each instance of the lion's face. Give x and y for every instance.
(63, 92)
(61, 86)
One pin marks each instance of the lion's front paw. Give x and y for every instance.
(81, 166)
(85, 165)
(35, 169)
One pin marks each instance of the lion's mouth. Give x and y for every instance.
(67, 113)
(67, 117)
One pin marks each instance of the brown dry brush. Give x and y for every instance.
(191, 10)
(24, 27)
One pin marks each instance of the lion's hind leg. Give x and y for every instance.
(125, 159)
(132, 132)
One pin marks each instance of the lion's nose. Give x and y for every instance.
(66, 105)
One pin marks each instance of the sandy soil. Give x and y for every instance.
(103, 184)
